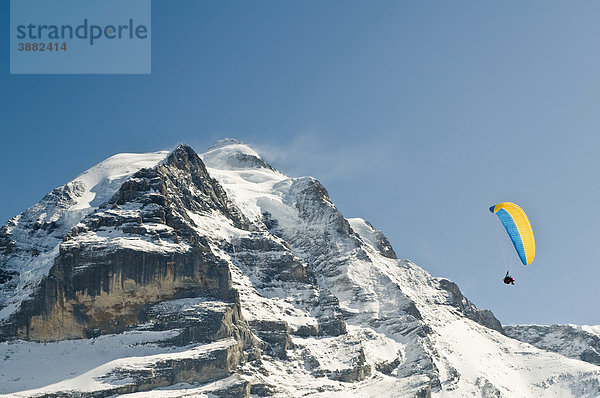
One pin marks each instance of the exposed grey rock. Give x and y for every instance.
(275, 267)
(456, 299)
(382, 243)
(106, 292)
(329, 315)
(262, 390)
(202, 320)
(306, 331)
(7, 275)
(424, 393)
(358, 372)
(139, 260)
(315, 206)
(29, 242)
(488, 389)
(212, 365)
(276, 334)
(388, 367)
(272, 257)
(351, 368)
(240, 388)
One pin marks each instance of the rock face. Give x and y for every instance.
(469, 310)
(217, 274)
(30, 242)
(121, 265)
(137, 249)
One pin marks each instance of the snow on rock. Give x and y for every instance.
(104, 179)
(232, 154)
(372, 236)
(572, 341)
(230, 386)
(253, 187)
(75, 357)
(108, 376)
(29, 242)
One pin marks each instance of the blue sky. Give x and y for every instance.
(417, 116)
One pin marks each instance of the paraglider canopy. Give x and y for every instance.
(519, 230)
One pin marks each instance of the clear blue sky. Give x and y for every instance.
(417, 116)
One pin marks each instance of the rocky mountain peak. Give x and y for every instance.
(145, 243)
(185, 158)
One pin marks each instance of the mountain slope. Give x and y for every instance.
(422, 318)
(578, 342)
(223, 276)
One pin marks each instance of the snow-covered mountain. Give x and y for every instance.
(578, 342)
(173, 274)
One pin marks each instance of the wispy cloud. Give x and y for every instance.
(310, 154)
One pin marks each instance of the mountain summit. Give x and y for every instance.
(172, 274)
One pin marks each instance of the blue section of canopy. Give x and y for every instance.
(513, 232)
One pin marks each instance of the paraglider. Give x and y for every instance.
(508, 279)
(518, 227)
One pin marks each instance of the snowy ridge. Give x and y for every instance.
(104, 179)
(595, 330)
(364, 230)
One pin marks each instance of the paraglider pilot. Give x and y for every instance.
(508, 279)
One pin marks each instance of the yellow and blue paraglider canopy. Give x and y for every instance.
(517, 226)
